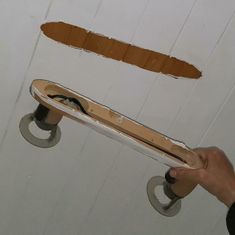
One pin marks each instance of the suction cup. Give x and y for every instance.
(54, 138)
(170, 209)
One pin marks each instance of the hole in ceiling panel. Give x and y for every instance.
(81, 38)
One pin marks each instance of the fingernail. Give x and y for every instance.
(173, 173)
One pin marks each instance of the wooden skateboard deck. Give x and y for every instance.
(65, 102)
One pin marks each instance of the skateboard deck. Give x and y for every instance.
(66, 102)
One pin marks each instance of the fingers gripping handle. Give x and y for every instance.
(180, 188)
(183, 187)
(174, 189)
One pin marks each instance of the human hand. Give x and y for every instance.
(217, 176)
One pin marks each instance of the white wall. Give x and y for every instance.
(89, 184)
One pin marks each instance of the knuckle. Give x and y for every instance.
(215, 151)
(181, 174)
(202, 175)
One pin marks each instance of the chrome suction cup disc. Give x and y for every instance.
(170, 209)
(54, 138)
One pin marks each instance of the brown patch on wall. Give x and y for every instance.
(78, 37)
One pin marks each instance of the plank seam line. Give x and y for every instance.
(101, 187)
(221, 35)
(139, 20)
(197, 82)
(121, 147)
(132, 193)
(154, 79)
(226, 99)
(155, 82)
(48, 9)
(182, 27)
(170, 52)
(86, 140)
(98, 9)
(220, 109)
(19, 93)
(52, 214)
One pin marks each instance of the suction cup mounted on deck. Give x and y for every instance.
(170, 209)
(46, 120)
(61, 101)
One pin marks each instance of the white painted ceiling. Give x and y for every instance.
(89, 184)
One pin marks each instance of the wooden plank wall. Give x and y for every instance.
(89, 184)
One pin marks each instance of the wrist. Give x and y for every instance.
(228, 195)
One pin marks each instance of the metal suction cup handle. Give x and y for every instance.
(46, 120)
(180, 188)
(169, 178)
(54, 138)
(170, 209)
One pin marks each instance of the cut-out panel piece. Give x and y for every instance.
(81, 38)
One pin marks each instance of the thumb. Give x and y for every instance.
(186, 174)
